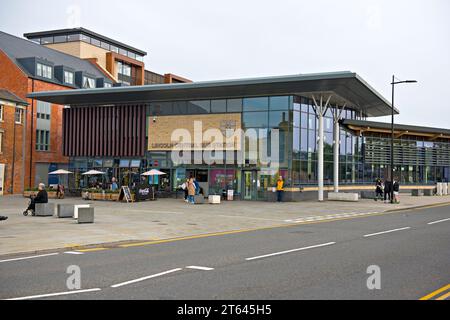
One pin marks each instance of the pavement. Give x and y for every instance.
(328, 259)
(129, 224)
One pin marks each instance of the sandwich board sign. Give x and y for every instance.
(125, 192)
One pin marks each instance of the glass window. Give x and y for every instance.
(131, 55)
(219, 106)
(19, 115)
(105, 45)
(304, 140)
(255, 119)
(201, 106)
(68, 77)
(123, 51)
(179, 107)
(255, 104)
(43, 70)
(42, 140)
(107, 85)
(124, 163)
(46, 40)
(85, 38)
(304, 120)
(279, 103)
(135, 163)
(234, 105)
(59, 39)
(88, 82)
(1, 112)
(95, 42)
(114, 49)
(278, 119)
(296, 119)
(139, 58)
(312, 141)
(74, 37)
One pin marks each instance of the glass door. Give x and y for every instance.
(249, 185)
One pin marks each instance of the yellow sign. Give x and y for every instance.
(194, 132)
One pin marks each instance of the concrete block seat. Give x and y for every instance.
(44, 209)
(65, 210)
(214, 199)
(417, 192)
(343, 196)
(86, 215)
(199, 199)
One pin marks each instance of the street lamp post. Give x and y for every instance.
(393, 83)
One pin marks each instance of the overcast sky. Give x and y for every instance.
(210, 40)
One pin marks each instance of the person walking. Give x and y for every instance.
(280, 189)
(396, 189)
(191, 191)
(387, 191)
(378, 189)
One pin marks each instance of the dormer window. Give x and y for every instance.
(43, 70)
(68, 77)
(88, 82)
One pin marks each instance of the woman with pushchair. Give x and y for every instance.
(41, 197)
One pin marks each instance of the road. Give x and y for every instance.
(321, 260)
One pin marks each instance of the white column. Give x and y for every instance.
(336, 155)
(320, 111)
(320, 156)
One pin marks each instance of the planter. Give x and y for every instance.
(98, 196)
(28, 194)
(114, 196)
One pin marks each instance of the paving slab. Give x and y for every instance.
(170, 218)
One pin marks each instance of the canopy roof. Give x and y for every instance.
(344, 87)
(399, 129)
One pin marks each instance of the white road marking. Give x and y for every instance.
(388, 231)
(145, 278)
(74, 252)
(30, 257)
(433, 222)
(200, 268)
(289, 251)
(56, 294)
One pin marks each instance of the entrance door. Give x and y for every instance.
(249, 185)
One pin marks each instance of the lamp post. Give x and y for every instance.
(393, 83)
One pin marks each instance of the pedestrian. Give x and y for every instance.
(60, 191)
(387, 191)
(396, 189)
(41, 197)
(378, 189)
(197, 186)
(184, 187)
(191, 190)
(280, 189)
(114, 185)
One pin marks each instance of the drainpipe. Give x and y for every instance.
(31, 133)
(14, 154)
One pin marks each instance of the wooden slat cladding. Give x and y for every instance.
(110, 131)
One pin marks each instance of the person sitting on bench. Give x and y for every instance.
(41, 197)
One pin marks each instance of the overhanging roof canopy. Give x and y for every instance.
(344, 87)
(399, 129)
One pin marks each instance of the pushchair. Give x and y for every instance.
(25, 213)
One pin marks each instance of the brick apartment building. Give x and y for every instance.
(60, 60)
(12, 142)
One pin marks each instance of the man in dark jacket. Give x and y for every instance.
(41, 197)
(387, 191)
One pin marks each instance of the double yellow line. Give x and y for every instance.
(436, 295)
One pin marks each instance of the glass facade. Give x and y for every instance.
(362, 158)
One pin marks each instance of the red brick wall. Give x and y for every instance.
(13, 79)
